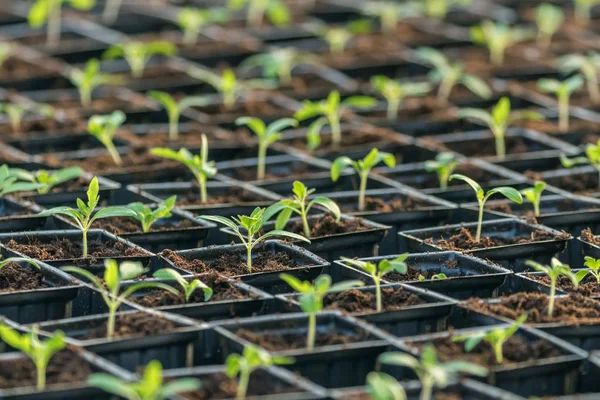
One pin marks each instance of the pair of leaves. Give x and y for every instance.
(267, 134)
(561, 89)
(47, 179)
(556, 269)
(382, 268)
(148, 216)
(362, 166)
(188, 287)
(252, 358)
(11, 184)
(198, 164)
(482, 196)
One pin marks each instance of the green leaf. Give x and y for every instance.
(111, 274)
(313, 134)
(476, 85)
(277, 232)
(92, 193)
(343, 286)
(110, 212)
(257, 125)
(295, 283)
(281, 124)
(361, 102)
(508, 192)
(328, 204)
(221, 220)
(501, 111)
(338, 166)
(478, 190)
(38, 13)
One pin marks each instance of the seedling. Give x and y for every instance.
(251, 359)
(46, 180)
(192, 20)
(15, 112)
(111, 11)
(6, 51)
(104, 128)
(9, 260)
(508, 192)
(534, 195)
(379, 270)
(311, 298)
(338, 37)
(279, 63)
(267, 135)
(148, 216)
(438, 9)
(300, 205)
(251, 226)
(363, 168)
(554, 270)
(137, 54)
(330, 112)
(174, 108)
(201, 168)
(390, 12)
(114, 276)
(40, 352)
(225, 84)
(11, 184)
(431, 372)
(592, 157)
(49, 11)
(150, 387)
(444, 165)
(275, 10)
(85, 215)
(188, 287)
(433, 277)
(87, 80)
(593, 265)
(588, 66)
(496, 337)
(382, 386)
(497, 37)
(563, 91)
(549, 19)
(448, 74)
(499, 120)
(395, 92)
(583, 10)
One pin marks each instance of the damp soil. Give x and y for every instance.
(486, 147)
(14, 277)
(218, 113)
(233, 195)
(588, 286)
(581, 183)
(359, 301)
(360, 51)
(128, 225)
(37, 125)
(411, 108)
(16, 69)
(297, 171)
(190, 135)
(138, 324)
(397, 204)
(588, 236)
(63, 249)
(327, 226)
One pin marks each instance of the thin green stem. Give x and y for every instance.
(498, 352)
(312, 331)
(137, 65)
(479, 222)
(563, 112)
(336, 130)
(536, 207)
(229, 99)
(389, 22)
(249, 255)
(305, 225)
(256, 12)
(262, 155)
(446, 86)
(392, 109)
(243, 384)
(112, 316)
(552, 295)
(500, 144)
(54, 17)
(85, 92)
(203, 194)
(426, 388)
(114, 154)
(443, 178)
(40, 367)
(85, 243)
(173, 124)
(364, 176)
(378, 294)
(190, 36)
(497, 55)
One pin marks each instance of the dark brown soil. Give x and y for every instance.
(306, 85)
(15, 69)
(125, 225)
(189, 137)
(551, 127)
(138, 324)
(360, 51)
(35, 126)
(410, 108)
(412, 274)
(233, 195)
(589, 237)
(484, 148)
(296, 171)
(584, 183)
(366, 396)
(326, 226)
(135, 158)
(587, 287)
(257, 107)
(350, 138)
(431, 181)
(397, 204)
(62, 249)
(69, 186)
(14, 277)
(359, 301)
(72, 106)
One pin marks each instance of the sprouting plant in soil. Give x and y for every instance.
(174, 108)
(330, 112)
(338, 37)
(201, 168)
(87, 80)
(363, 168)
(482, 197)
(188, 287)
(279, 63)
(147, 216)
(15, 112)
(563, 91)
(276, 12)
(583, 10)
(150, 387)
(49, 12)
(495, 337)
(85, 215)
(390, 12)
(46, 180)
(226, 84)
(267, 135)
(448, 74)
(444, 165)
(394, 92)
(104, 128)
(379, 270)
(11, 260)
(588, 65)
(11, 184)
(110, 286)
(548, 18)
(497, 37)
(382, 386)
(593, 267)
(534, 195)
(591, 157)
(438, 9)
(554, 270)
(430, 371)
(248, 227)
(499, 120)
(6, 51)
(39, 351)
(251, 359)
(192, 20)
(300, 204)
(311, 298)
(138, 54)
(434, 277)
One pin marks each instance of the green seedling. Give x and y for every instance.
(583, 10)
(46, 180)
(534, 195)
(592, 157)
(111, 11)
(338, 37)
(444, 165)
(279, 63)
(311, 298)
(330, 112)
(438, 9)
(137, 54)
(430, 371)
(150, 387)
(114, 276)
(40, 352)
(379, 270)
(251, 359)
(382, 386)
(433, 277)
(363, 168)
(390, 12)
(104, 128)
(395, 92)
(499, 120)
(448, 74)
(497, 37)
(225, 84)
(16, 112)
(554, 270)
(147, 216)
(9, 260)
(192, 20)
(548, 18)
(87, 80)
(188, 287)
(267, 135)
(299, 204)
(6, 51)
(49, 11)
(276, 12)
(563, 91)
(588, 66)
(251, 226)
(11, 184)
(593, 265)
(508, 192)
(85, 215)
(174, 108)
(201, 168)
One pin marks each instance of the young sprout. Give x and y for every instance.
(431, 372)
(330, 112)
(192, 20)
(448, 74)
(114, 276)
(497, 37)
(311, 298)
(508, 192)
(104, 128)
(11, 184)
(592, 157)
(137, 54)
(382, 386)
(390, 12)
(548, 19)
(563, 91)
(251, 359)
(266, 136)
(15, 112)
(593, 265)
(499, 120)
(46, 180)
(554, 270)
(338, 37)
(276, 11)
(40, 352)
(279, 63)
(174, 108)
(583, 10)
(6, 51)
(148, 216)
(433, 277)
(300, 205)
(251, 226)
(201, 168)
(50, 11)
(379, 270)
(225, 84)
(87, 80)
(394, 92)
(9, 260)
(588, 66)
(362, 168)
(534, 195)
(496, 337)
(188, 287)
(85, 215)
(150, 387)
(444, 165)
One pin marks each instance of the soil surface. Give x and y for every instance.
(589, 286)
(412, 274)
(294, 171)
(14, 277)
(257, 107)
(397, 204)
(436, 396)
(350, 138)
(138, 157)
(487, 147)
(582, 183)
(233, 195)
(15, 69)
(125, 225)
(588, 236)
(360, 301)
(327, 226)
(431, 181)
(61, 249)
(138, 324)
